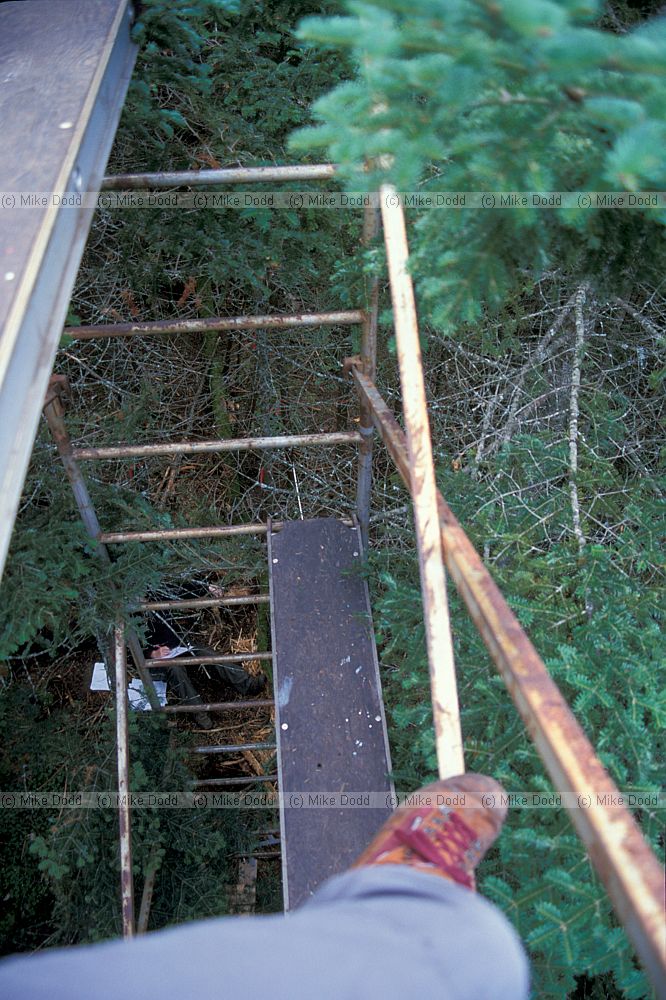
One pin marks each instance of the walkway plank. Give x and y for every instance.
(330, 725)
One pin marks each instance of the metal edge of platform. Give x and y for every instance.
(375, 659)
(34, 324)
(278, 731)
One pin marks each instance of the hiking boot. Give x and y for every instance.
(443, 829)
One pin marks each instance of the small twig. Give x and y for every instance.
(647, 325)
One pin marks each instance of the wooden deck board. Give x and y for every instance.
(330, 717)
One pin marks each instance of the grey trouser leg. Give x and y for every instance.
(235, 676)
(382, 933)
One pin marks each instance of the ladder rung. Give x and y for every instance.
(244, 780)
(338, 318)
(230, 444)
(203, 602)
(224, 175)
(163, 535)
(232, 747)
(173, 534)
(193, 661)
(220, 706)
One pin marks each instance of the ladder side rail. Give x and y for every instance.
(439, 641)
(124, 817)
(54, 415)
(206, 324)
(369, 363)
(624, 861)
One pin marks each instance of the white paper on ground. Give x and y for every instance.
(100, 678)
(138, 698)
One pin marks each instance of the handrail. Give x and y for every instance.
(624, 861)
(439, 642)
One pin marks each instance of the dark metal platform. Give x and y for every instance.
(64, 68)
(331, 731)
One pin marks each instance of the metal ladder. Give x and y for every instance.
(45, 246)
(623, 859)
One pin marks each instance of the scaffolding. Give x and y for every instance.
(622, 858)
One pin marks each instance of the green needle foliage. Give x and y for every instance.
(502, 96)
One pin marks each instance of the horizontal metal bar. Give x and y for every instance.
(628, 868)
(232, 747)
(173, 534)
(193, 661)
(212, 323)
(203, 602)
(220, 706)
(244, 780)
(230, 444)
(224, 175)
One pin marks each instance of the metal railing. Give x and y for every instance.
(625, 863)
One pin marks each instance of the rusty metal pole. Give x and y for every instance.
(369, 365)
(122, 747)
(620, 854)
(223, 175)
(54, 414)
(446, 714)
(122, 451)
(214, 323)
